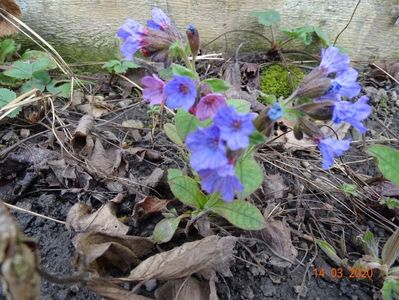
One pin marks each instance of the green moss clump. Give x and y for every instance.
(275, 80)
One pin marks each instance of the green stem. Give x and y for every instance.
(273, 40)
(291, 97)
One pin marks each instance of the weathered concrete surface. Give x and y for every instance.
(86, 29)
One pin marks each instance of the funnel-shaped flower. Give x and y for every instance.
(223, 181)
(180, 92)
(275, 112)
(209, 105)
(352, 113)
(329, 148)
(153, 89)
(153, 41)
(235, 128)
(332, 61)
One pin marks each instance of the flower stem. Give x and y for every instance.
(291, 97)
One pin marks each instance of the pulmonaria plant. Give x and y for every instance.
(219, 134)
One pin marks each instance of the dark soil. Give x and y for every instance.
(248, 280)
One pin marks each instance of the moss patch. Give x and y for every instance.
(275, 80)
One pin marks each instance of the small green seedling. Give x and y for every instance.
(119, 67)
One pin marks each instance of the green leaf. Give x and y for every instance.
(186, 189)
(330, 252)
(350, 189)
(35, 55)
(303, 34)
(165, 230)
(240, 213)
(250, 175)
(124, 66)
(241, 106)
(109, 65)
(217, 85)
(391, 203)
(185, 123)
(25, 70)
(292, 114)
(323, 37)
(370, 244)
(256, 138)
(171, 133)
(268, 17)
(212, 200)
(6, 96)
(7, 48)
(166, 74)
(183, 71)
(267, 99)
(388, 161)
(175, 50)
(59, 88)
(390, 289)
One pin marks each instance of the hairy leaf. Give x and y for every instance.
(390, 251)
(390, 289)
(388, 161)
(250, 175)
(268, 17)
(242, 106)
(165, 229)
(217, 85)
(185, 123)
(171, 133)
(240, 213)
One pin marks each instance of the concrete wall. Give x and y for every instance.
(85, 29)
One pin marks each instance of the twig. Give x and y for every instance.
(131, 81)
(32, 213)
(347, 25)
(389, 75)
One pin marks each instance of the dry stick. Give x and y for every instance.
(387, 128)
(32, 213)
(347, 25)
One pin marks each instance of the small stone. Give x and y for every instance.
(382, 94)
(24, 133)
(394, 96)
(397, 103)
(150, 285)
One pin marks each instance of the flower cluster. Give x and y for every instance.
(181, 92)
(215, 149)
(330, 85)
(152, 40)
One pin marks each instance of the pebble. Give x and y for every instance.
(394, 96)
(397, 103)
(150, 285)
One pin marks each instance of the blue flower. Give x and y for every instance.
(223, 181)
(207, 149)
(235, 128)
(344, 84)
(159, 21)
(275, 112)
(180, 92)
(133, 35)
(329, 148)
(332, 61)
(352, 113)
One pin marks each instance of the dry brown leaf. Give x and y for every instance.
(135, 124)
(96, 107)
(274, 186)
(84, 127)
(102, 251)
(155, 178)
(149, 205)
(112, 291)
(183, 289)
(11, 7)
(277, 236)
(82, 219)
(18, 260)
(142, 153)
(209, 254)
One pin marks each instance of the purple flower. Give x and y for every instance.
(223, 181)
(332, 61)
(159, 21)
(153, 40)
(180, 92)
(345, 84)
(330, 148)
(207, 149)
(133, 34)
(275, 112)
(352, 113)
(235, 128)
(208, 106)
(153, 89)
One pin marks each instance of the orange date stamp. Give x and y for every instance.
(354, 273)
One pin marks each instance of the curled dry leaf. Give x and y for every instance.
(18, 260)
(142, 153)
(149, 205)
(81, 219)
(96, 107)
(207, 255)
(277, 237)
(183, 289)
(105, 161)
(11, 7)
(84, 127)
(112, 291)
(102, 251)
(274, 186)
